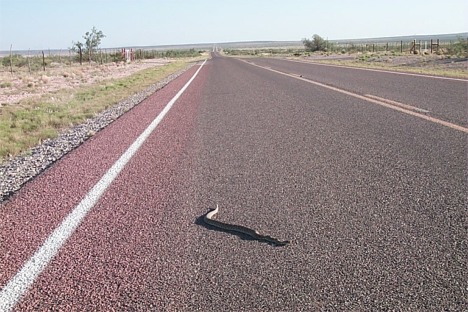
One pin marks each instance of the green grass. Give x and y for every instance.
(26, 124)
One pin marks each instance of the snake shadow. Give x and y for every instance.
(199, 221)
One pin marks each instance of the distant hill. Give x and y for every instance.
(259, 44)
(224, 45)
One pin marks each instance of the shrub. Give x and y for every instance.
(117, 57)
(459, 48)
(316, 44)
(5, 84)
(18, 60)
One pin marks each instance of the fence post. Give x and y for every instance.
(29, 60)
(43, 60)
(413, 47)
(401, 46)
(81, 55)
(11, 60)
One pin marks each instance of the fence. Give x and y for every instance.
(40, 60)
(414, 46)
(448, 47)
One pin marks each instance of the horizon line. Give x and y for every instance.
(200, 44)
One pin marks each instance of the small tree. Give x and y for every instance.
(91, 44)
(316, 44)
(78, 47)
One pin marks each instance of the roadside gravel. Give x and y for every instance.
(18, 170)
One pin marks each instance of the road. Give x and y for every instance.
(365, 172)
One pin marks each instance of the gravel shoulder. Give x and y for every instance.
(18, 170)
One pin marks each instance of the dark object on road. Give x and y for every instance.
(208, 218)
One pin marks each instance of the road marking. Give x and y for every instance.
(378, 70)
(22, 281)
(391, 102)
(372, 100)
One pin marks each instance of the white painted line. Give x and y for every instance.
(378, 70)
(22, 281)
(371, 100)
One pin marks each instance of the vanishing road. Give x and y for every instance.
(365, 172)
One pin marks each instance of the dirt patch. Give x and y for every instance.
(22, 85)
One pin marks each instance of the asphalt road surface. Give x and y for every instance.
(365, 172)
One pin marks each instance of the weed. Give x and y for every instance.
(16, 59)
(456, 73)
(35, 119)
(5, 84)
(459, 48)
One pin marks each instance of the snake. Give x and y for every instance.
(208, 218)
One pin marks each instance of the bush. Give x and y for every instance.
(18, 60)
(459, 48)
(316, 44)
(117, 57)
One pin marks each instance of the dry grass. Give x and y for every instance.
(34, 118)
(428, 65)
(444, 72)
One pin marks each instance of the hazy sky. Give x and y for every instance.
(54, 24)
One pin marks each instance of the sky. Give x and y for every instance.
(55, 24)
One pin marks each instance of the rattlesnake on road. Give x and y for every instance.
(208, 218)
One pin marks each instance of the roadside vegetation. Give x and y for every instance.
(449, 67)
(88, 52)
(319, 45)
(447, 59)
(17, 63)
(42, 94)
(316, 44)
(90, 46)
(33, 119)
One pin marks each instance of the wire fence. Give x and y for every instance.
(444, 47)
(40, 60)
(414, 46)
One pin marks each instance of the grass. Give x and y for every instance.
(32, 120)
(361, 61)
(5, 84)
(445, 72)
